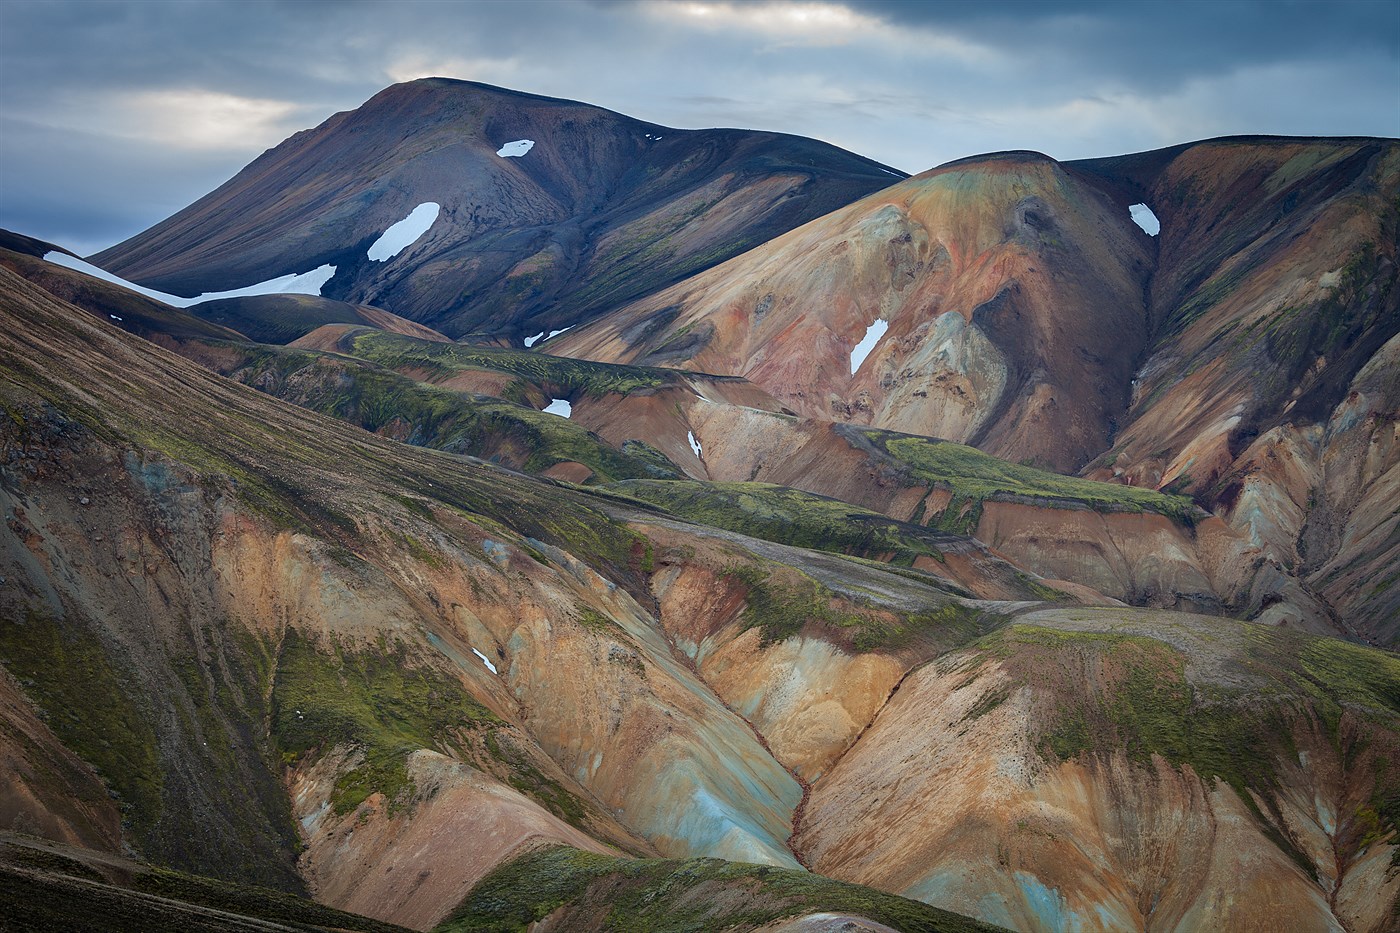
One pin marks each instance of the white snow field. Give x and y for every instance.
(1142, 216)
(305, 283)
(405, 233)
(873, 333)
(516, 149)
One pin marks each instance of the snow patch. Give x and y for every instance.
(515, 149)
(114, 317)
(559, 406)
(531, 341)
(873, 333)
(305, 283)
(485, 660)
(1142, 216)
(405, 233)
(695, 445)
(888, 172)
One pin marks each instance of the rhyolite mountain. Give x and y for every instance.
(299, 597)
(600, 210)
(1246, 355)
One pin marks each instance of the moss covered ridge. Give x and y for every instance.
(386, 402)
(47, 887)
(583, 891)
(557, 374)
(790, 516)
(974, 477)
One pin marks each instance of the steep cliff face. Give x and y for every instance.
(996, 277)
(597, 210)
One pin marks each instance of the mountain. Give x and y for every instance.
(599, 210)
(1234, 357)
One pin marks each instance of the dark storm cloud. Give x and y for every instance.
(117, 113)
(1200, 36)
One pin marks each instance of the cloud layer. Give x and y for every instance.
(113, 115)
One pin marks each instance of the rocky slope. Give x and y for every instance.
(601, 209)
(276, 669)
(1117, 769)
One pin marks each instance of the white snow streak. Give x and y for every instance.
(531, 341)
(1142, 216)
(485, 660)
(405, 233)
(695, 445)
(305, 283)
(515, 149)
(873, 333)
(559, 406)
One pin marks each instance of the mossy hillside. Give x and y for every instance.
(558, 375)
(781, 602)
(522, 774)
(379, 700)
(600, 892)
(974, 477)
(788, 516)
(1145, 705)
(89, 704)
(296, 469)
(383, 401)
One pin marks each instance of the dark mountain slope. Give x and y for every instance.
(603, 208)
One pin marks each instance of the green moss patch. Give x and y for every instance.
(1111, 691)
(788, 516)
(386, 402)
(560, 375)
(87, 701)
(780, 605)
(974, 477)
(599, 892)
(378, 700)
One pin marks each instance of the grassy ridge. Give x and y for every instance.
(781, 604)
(560, 375)
(386, 402)
(789, 516)
(974, 477)
(599, 892)
(276, 318)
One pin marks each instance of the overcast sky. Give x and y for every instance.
(114, 115)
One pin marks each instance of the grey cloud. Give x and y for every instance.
(1133, 75)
